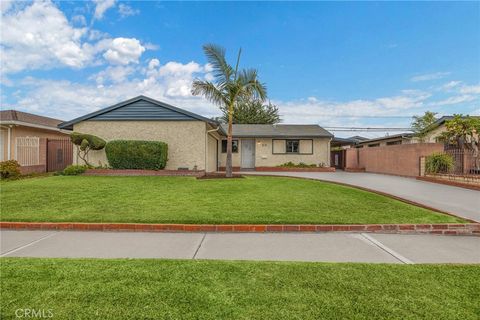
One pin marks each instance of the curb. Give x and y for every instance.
(472, 229)
(474, 187)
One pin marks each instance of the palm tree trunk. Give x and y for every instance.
(228, 166)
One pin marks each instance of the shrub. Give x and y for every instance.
(85, 143)
(9, 169)
(74, 170)
(439, 163)
(290, 164)
(134, 154)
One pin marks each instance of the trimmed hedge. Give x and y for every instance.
(87, 140)
(74, 170)
(137, 154)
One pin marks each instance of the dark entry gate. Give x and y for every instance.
(337, 159)
(59, 154)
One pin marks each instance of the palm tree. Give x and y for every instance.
(229, 86)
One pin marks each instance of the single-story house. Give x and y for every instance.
(23, 137)
(432, 136)
(390, 140)
(196, 142)
(346, 143)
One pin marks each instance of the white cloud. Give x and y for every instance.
(314, 110)
(79, 19)
(126, 11)
(170, 82)
(454, 100)
(124, 51)
(39, 36)
(115, 74)
(101, 7)
(475, 89)
(429, 76)
(450, 85)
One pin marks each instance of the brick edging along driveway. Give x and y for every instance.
(445, 229)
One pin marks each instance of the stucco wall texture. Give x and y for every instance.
(264, 157)
(186, 139)
(22, 131)
(403, 160)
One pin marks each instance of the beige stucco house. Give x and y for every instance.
(196, 142)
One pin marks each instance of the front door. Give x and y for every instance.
(248, 153)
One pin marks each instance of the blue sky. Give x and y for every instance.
(332, 63)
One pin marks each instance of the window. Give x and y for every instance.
(391, 143)
(374, 145)
(292, 146)
(234, 146)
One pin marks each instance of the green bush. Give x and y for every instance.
(135, 154)
(439, 163)
(84, 140)
(74, 170)
(9, 169)
(290, 164)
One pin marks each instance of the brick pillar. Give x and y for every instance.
(422, 166)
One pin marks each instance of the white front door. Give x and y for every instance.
(248, 153)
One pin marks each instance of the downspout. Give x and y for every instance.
(9, 138)
(206, 148)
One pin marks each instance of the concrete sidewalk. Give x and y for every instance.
(458, 201)
(328, 247)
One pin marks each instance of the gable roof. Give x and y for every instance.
(138, 108)
(278, 131)
(28, 119)
(393, 136)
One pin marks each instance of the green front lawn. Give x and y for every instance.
(168, 289)
(260, 200)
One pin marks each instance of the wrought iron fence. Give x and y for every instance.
(466, 161)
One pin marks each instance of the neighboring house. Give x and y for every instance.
(196, 142)
(394, 139)
(436, 129)
(23, 138)
(432, 136)
(346, 143)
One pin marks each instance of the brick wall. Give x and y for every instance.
(402, 160)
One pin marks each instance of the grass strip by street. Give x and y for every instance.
(176, 289)
(253, 200)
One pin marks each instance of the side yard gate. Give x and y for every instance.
(59, 154)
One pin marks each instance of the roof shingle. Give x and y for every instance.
(13, 115)
(278, 130)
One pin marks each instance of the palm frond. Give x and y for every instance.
(216, 58)
(251, 85)
(209, 91)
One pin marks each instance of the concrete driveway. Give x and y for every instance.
(459, 201)
(327, 247)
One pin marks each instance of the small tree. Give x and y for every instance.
(463, 132)
(85, 143)
(252, 111)
(421, 124)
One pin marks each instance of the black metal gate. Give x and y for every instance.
(337, 159)
(59, 154)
